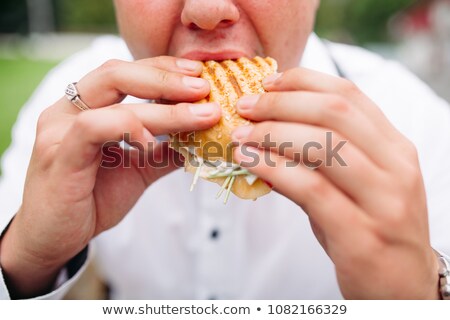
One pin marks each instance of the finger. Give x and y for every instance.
(172, 64)
(331, 209)
(162, 157)
(301, 79)
(80, 148)
(113, 81)
(165, 159)
(338, 160)
(322, 110)
(183, 117)
(132, 123)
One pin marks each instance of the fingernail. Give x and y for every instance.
(203, 110)
(247, 102)
(195, 83)
(189, 65)
(241, 133)
(271, 79)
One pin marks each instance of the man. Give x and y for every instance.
(369, 215)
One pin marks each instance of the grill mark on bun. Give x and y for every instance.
(257, 62)
(254, 75)
(236, 69)
(232, 79)
(264, 66)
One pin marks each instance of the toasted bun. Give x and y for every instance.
(229, 80)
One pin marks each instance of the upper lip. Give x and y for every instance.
(219, 55)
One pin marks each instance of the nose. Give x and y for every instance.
(209, 14)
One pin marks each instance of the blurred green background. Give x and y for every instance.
(355, 21)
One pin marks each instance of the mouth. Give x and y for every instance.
(218, 56)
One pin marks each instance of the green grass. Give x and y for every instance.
(18, 79)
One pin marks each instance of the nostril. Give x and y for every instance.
(226, 22)
(193, 26)
(196, 15)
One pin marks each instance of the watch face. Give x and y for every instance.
(444, 274)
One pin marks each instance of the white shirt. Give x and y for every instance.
(264, 249)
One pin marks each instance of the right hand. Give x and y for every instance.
(69, 198)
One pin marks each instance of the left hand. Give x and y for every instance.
(368, 210)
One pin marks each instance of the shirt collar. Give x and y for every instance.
(317, 56)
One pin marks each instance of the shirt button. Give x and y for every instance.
(214, 234)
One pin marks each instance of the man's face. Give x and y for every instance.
(217, 29)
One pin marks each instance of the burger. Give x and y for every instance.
(209, 153)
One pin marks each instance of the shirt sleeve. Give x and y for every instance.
(66, 279)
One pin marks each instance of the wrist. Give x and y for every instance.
(26, 275)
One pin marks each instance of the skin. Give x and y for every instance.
(378, 238)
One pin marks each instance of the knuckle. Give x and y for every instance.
(153, 61)
(411, 181)
(294, 73)
(84, 121)
(162, 76)
(268, 101)
(47, 156)
(175, 111)
(409, 165)
(316, 186)
(44, 150)
(338, 106)
(262, 129)
(410, 170)
(43, 120)
(182, 107)
(399, 214)
(410, 150)
(264, 106)
(111, 65)
(347, 87)
(40, 143)
(162, 60)
(335, 108)
(126, 119)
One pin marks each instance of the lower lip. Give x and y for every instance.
(204, 56)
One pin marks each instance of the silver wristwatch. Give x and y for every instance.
(444, 275)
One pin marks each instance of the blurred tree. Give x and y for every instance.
(13, 16)
(41, 17)
(68, 15)
(359, 21)
(85, 15)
